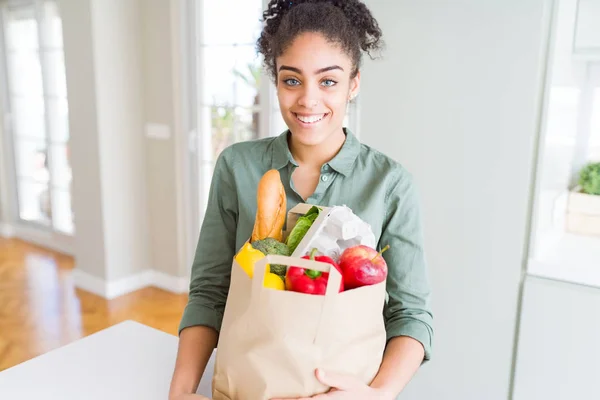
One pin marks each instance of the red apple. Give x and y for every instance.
(362, 265)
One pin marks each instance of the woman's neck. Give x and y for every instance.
(316, 156)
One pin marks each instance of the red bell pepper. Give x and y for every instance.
(310, 281)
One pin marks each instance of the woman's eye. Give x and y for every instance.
(291, 82)
(329, 82)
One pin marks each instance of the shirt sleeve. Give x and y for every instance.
(407, 310)
(211, 269)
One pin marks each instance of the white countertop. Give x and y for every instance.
(126, 361)
(567, 257)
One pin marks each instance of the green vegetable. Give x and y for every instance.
(302, 226)
(279, 270)
(273, 246)
(589, 178)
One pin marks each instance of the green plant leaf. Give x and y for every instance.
(589, 178)
(252, 78)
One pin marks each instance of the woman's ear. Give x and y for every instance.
(354, 86)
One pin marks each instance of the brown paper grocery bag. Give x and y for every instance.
(271, 341)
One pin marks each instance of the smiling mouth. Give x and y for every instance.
(310, 119)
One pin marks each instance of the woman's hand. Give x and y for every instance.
(345, 387)
(189, 397)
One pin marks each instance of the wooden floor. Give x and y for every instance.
(40, 309)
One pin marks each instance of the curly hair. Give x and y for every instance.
(347, 23)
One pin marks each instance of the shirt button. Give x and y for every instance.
(324, 178)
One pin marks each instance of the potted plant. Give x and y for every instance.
(583, 210)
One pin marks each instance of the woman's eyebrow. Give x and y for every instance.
(319, 71)
(293, 69)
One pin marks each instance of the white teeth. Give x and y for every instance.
(311, 119)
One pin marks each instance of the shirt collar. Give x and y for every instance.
(342, 162)
(345, 158)
(281, 152)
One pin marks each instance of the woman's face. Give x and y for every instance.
(313, 88)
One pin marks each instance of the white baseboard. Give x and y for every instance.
(170, 283)
(128, 285)
(89, 283)
(6, 230)
(110, 290)
(50, 240)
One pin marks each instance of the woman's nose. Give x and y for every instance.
(308, 99)
(308, 103)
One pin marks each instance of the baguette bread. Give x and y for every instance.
(271, 207)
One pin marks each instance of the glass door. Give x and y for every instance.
(37, 113)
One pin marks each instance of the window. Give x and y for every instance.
(233, 98)
(229, 78)
(570, 139)
(37, 113)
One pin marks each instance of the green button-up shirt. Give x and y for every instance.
(375, 187)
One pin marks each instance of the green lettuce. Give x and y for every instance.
(302, 226)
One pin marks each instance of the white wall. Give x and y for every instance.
(103, 60)
(455, 99)
(160, 35)
(84, 136)
(117, 47)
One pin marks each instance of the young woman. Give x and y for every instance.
(312, 49)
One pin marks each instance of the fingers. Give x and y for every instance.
(338, 381)
(328, 395)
